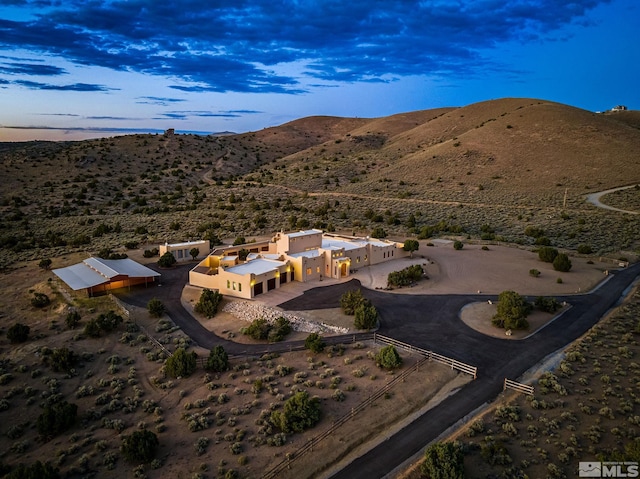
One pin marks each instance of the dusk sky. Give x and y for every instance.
(75, 69)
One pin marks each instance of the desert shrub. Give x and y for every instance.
(40, 300)
(314, 343)
(18, 333)
(150, 253)
(167, 260)
(405, 276)
(443, 460)
(140, 446)
(584, 249)
(109, 321)
(542, 241)
(534, 272)
(562, 263)
(37, 470)
(61, 359)
(350, 300)
(56, 418)
(73, 319)
(534, 231)
(181, 363)
(156, 308)
(388, 358)
(261, 329)
(411, 245)
(512, 311)
(378, 232)
(338, 395)
(218, 359)
(547, 254)
(208, 303)
(366, 316)
(494, 453)
(458, 245)
(547, 305)
(300, 412)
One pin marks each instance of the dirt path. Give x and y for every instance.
(594, 199)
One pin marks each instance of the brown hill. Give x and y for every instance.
(497, 165)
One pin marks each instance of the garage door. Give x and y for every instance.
(257, 289)
(271, 284)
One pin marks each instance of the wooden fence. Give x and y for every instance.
(521, 388)
(452, 363)
(308, 447)
(150, 338)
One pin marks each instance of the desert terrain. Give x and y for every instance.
(503, 177)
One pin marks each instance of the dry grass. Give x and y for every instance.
(119, 386)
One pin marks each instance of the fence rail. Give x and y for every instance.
(143, 330)
(308, 447)
(452, 363)
(516, 386)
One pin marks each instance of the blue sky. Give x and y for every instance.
(78, 69)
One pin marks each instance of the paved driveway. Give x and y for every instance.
(427, 321)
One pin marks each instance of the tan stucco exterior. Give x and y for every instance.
(301, 256)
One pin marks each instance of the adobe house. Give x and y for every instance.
(98, 275)
(182, 251)
(301, 256)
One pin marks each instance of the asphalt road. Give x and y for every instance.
(426, 321)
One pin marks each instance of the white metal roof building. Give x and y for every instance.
(100, 275)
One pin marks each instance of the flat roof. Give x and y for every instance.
(304, 233)
(311, 253)
(186, 243)
(256, 266)
(339, 244)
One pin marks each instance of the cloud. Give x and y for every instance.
(160, 101)
(106, 130)
(243, 46)
(183, 115)
(72, 87)
(31, 69)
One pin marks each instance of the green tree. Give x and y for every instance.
(140, 446)
(243, 253)
(18, 333)
(458, 245)
(40, 300)
(73, 319)
(167, 260)
(156, 308)
(239, 240)
(45, 263)
(411, 245)
(258, 329)
(366, 316)
(512, 311)
(547, 254)
(194, 252)
(547, 305)
(279, 330)
(388, 358)
(218, 360)
(208, 303)
(300, 412)
(350, 300)
(378, 232)
(56, 418)
(314, 343)
(181, 364)
(37, 470)
(584, 249)
(62, 359)
(562, 263)
(443, 461)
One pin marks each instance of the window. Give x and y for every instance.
(309, 271)
(234, 285)
(228, 284)
(392, 252)
(365, 257)
(357, 259)
(317, 269)
(239, 286)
